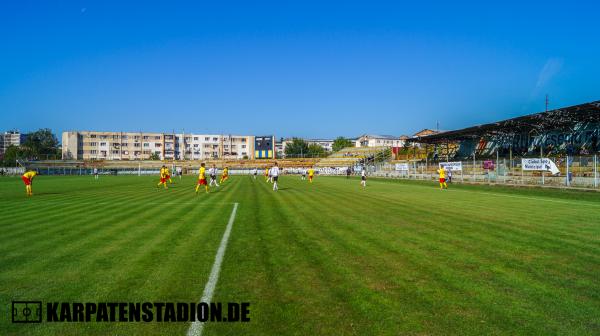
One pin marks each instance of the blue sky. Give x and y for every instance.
(291, 68)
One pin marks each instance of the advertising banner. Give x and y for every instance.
(401, 166)
(454, 166)
(544, 164)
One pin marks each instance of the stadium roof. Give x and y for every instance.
(559, 119)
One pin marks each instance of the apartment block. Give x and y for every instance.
(11, 138)
(91, 145)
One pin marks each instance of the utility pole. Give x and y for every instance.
(547, 101)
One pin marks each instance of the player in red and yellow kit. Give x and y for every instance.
(311, 174)
(442, 172)
(224, 175)
(163, 177)
(202, 178)
(168, 175)
(27, 179)
(267, 174)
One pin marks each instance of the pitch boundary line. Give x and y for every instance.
(542, 199)
(499, 194)
(209, 289)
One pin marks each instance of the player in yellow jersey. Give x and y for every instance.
(202, 178)
(311, 174)
(224, 175)
(168, 175)
(267, 174)
(442, 172)
(163, 177)
(27, 179)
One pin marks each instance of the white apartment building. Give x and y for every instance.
(208, 146)
(92, 145)
(374, 140)
(11, 138)
(327, 144)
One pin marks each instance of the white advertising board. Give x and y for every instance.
(544, 164)
(402, 166)
(454, 166)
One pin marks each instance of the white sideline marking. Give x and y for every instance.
(584, 203)
(197, 326)
(499, 194)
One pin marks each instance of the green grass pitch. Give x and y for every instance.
(329, 258)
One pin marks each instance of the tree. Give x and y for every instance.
(40, 144)
(315, 150)
(340, 143)
(297, 148)
(154, 157)
(11, 155)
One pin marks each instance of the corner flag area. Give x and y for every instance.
(327, 258)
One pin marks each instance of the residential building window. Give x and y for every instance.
(103, 144)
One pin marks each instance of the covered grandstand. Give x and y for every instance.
(570, 130)
(562, 142)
